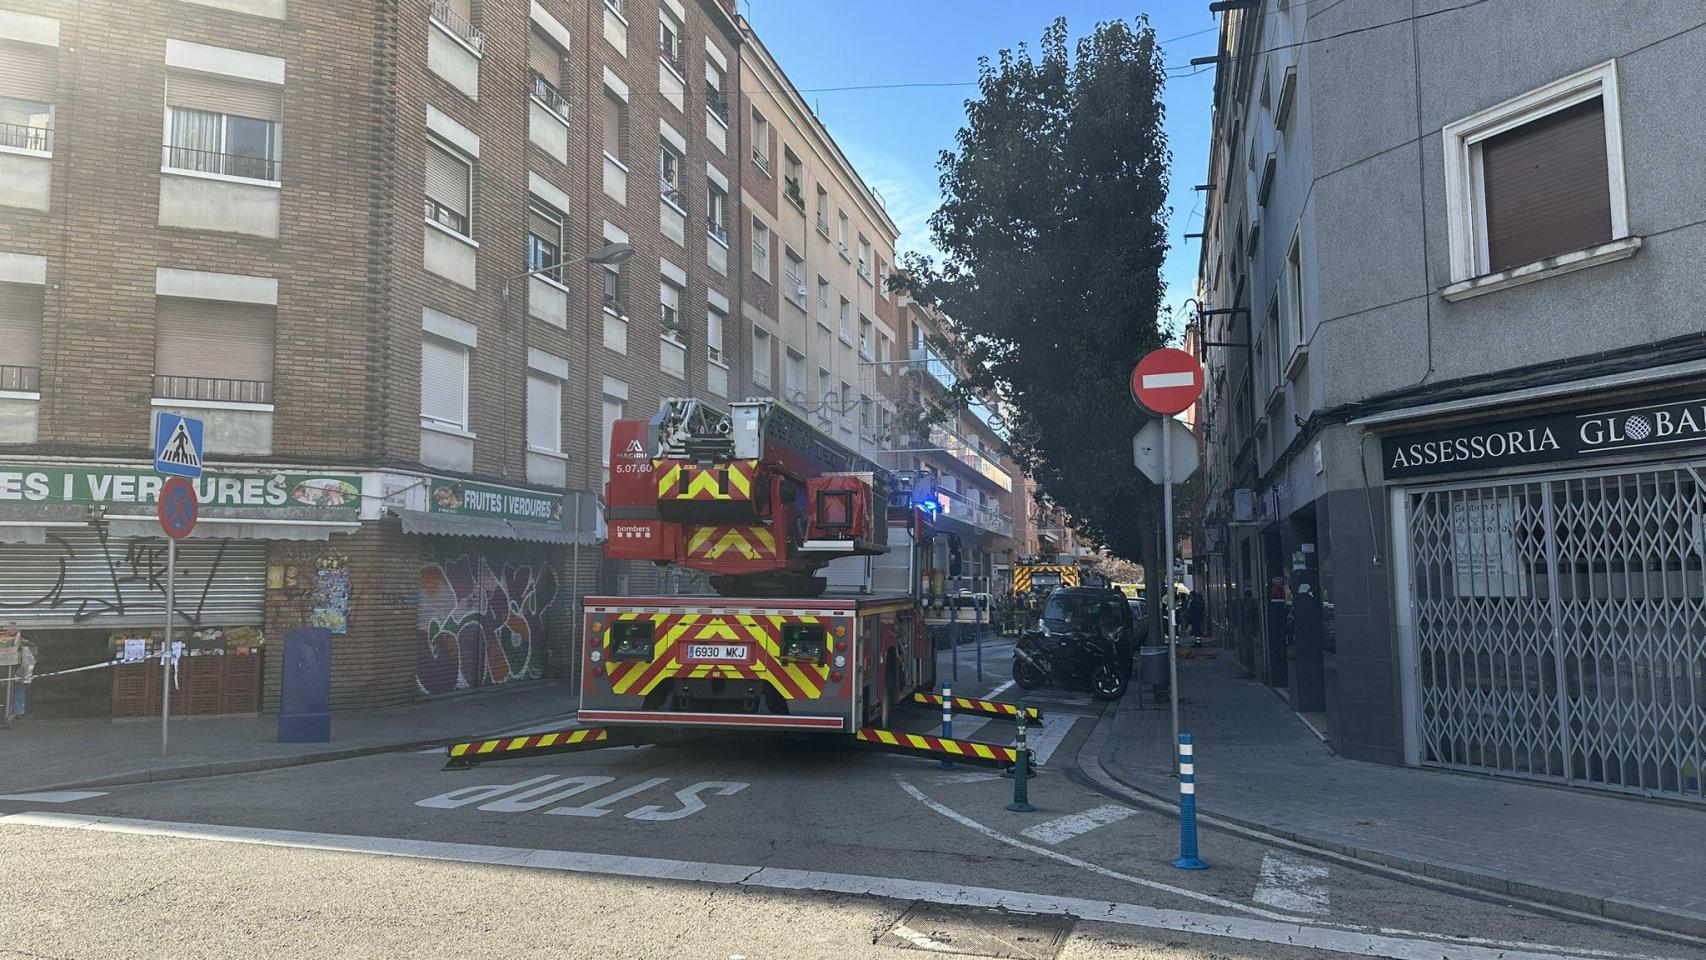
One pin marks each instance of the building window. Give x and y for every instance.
(826, 395)
(883, 277)
(865, 258)
(26, 96)
(823, 318)
(613, 119)
(545, 75)
(669, 173)
(449, 188)
(544, 413)
(844, 405)
(823, 211)
(669, 309)
(846, 321)
(457, 17)
(760, 249)
(612, 412)
(669, 40)
(1538, 176)
(794, 378)
(760, 141)
(793, 277)
(864, 338)
(21, 314)
(613, 290)
(1293, 293)
(716, 103)
(444, 383)
(222, 126)
(762, 347)
(791, 176)
(545, 241)
(841, 227)
(213, 351)
(865, 420)
(714, 323)
(716, 212)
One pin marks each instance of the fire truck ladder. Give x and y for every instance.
(939, 748)
(462, 756)
(982, 708)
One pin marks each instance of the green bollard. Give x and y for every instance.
(1021, 770)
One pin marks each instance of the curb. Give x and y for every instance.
(1685, 923)
(197, 771)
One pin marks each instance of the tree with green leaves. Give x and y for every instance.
(1053, 230)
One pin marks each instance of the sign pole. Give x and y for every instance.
(166, 649)
(1167, 581)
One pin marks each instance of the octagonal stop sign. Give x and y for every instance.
(1167, 381)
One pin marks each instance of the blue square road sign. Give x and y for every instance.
(177, 445)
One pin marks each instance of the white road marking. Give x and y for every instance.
(965, 727)
(601, 806)
(1293, 885)
(54, 796)
(1296, 933)
(1065, 828)
(998, 691)
(1046, 741)
(970, 776)
(919, 940)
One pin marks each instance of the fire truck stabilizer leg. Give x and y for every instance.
(462, 756)
(984, 708)
(938, 748)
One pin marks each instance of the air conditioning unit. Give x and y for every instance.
(800, 291)
(1243, 505)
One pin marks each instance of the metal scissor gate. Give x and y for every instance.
(1559, 627)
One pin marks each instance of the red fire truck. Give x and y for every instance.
(765, 503)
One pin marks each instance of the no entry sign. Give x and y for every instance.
(1167, 381)
(177, 508)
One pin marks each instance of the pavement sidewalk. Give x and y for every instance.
(1259, 766)
(57, 754)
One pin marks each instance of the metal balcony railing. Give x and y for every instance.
(717, 104)
(926, 360)
(225, 164)
(21, 379)
(717, 230)
(25, 137)
(542, 90)
(454, 22)
(212, 388)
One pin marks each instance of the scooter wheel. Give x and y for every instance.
(1107, 683)
(1026, 675)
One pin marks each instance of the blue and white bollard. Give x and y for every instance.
(1188, 859)
(947, 720)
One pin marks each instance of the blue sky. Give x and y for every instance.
(895, 135)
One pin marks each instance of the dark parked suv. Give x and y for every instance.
(1076, 608)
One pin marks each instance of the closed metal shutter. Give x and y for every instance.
(211, 338)
(201, 91)
(444, 382)
(543, 58)
(544, 225)
(80, 578)
(544, 412)
(447, 179)
(20, 325)
(27, 71)
(1547, 187)
(610, 119)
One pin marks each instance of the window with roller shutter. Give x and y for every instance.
(221, 125)
(545, 241)
(20, 337)
(213, 351)
(610, 116)
(444, 383)
(26, 96)
(1547, 187)
(544, 413)
(449, 188)
(545, 74)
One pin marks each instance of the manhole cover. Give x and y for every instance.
(975, 932)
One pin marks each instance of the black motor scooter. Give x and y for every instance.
(1072, 659)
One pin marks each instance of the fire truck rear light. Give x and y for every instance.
(841, 661)
(841, 631)
(835, 677)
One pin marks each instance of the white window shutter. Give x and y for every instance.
(444, 383)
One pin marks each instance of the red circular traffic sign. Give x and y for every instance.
(177, 508)
(1167, 381)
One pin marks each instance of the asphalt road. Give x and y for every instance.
(717, 848)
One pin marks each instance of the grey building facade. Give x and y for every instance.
(1456, 407)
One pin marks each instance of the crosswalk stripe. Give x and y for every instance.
(1062, 829)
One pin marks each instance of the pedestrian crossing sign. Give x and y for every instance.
(177, 445)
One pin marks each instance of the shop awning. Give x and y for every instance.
(227, 528)
(453, 525)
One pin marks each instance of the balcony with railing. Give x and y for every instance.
(717, 105)
(982, 517)
(211, 389)
(791, 192)
(246, 166)
(542, 90)
(20, 379)
(22, 136)
(457, 25)
(924, 359)
(970, 454)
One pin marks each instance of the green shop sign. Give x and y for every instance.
(121, 485)
(503, 503)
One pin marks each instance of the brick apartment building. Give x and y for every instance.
(210, 206)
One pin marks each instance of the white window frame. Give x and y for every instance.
(468, 165)
(761, 260)
(761, 361)
(793, 277)
(714, 334)
(666, 287)
(846, 320)
(761, 141)
(556, 413)
(824, 320)
(433, 423)
(1464, 184)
